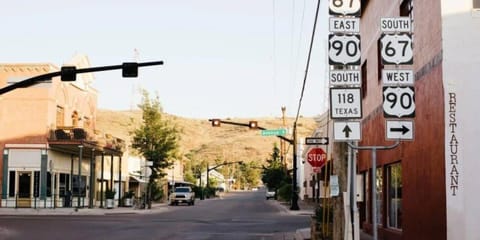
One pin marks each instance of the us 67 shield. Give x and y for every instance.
(344, 49)
(396, 49)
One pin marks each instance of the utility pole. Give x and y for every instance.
(282, 142)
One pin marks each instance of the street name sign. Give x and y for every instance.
(274, 132)
(397, 77)
(399, 130)
(399, 102)
(316, 157)
(339, 78)
(344, 49)
(396, 49)
(344, 25)
(316, 140)
(345, 103)
(347, 131)
(398, 25)
(345, 7)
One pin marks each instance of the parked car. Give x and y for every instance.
(182, 195)
(270, 193)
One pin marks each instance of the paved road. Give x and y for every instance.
(242, 215)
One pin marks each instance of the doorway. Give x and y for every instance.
(24, 189)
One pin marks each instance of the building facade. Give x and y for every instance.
(461, 58)
(53, 154)
(410, 182)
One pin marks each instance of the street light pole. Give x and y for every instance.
(294, 204)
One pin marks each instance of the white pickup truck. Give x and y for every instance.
(182, 195)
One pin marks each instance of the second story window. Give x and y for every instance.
(476, 4)
(406, 9)
(60, 116)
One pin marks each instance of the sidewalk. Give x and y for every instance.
(156, 208)
(308, 208)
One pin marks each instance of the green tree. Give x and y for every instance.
(156, 139)
(274, 176)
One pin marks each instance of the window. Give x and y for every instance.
(64, 184)
(394, 200)
(364, 79)
(363, 5)
(79, 187)
(476, 4)
(36, 184)
(11, 184)
(60, 116)
(406, 9)
(379, 60)
(379, 197)
(49, 184)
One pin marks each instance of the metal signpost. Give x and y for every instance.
(345, 84)
(344, 54)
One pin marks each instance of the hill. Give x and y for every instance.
(202, 141)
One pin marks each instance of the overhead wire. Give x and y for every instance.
(307, 66)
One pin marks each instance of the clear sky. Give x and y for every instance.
(223, 58)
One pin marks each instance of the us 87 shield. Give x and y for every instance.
(345, 7)
(344, 50)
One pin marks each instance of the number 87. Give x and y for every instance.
(339, 3)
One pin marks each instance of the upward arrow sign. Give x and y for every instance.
(347, 131)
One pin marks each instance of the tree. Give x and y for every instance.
(274, 176)
(156, 139)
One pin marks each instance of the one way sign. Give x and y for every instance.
(346, 131)
(399, 130)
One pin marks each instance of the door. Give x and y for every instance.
(24, 189)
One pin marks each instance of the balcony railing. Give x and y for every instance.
(66, 133)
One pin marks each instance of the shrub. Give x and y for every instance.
(285, 192)
(110, 194)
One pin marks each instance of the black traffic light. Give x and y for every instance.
(130, 70)
(216, 122)
(68, 73)
(253, 124)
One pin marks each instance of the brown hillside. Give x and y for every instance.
(204, 142)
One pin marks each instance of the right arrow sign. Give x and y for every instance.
(399, 130)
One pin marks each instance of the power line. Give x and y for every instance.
(308, 64)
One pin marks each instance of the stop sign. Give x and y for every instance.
(316, 157)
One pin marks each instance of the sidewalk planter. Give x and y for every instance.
(127, 202)
(110, 195)
(110, 203)
(128, 199)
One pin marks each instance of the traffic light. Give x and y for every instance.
(68, 73)
(216, 122)
(253, 124)
(130, 70)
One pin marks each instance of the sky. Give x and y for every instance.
(222, 58)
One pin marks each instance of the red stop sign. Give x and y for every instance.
(316, 157)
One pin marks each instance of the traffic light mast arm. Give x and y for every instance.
(248, 125)
(223, 164)
(48, 76)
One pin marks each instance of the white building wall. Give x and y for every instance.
(461, 76)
